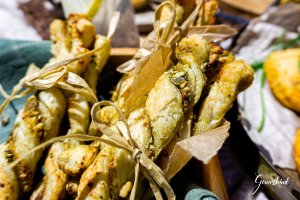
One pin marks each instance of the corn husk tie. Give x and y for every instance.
(56, 75)
(143, 164)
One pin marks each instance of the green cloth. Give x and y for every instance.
(15, 56)
(194, 192)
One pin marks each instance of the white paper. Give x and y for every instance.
(280, 126)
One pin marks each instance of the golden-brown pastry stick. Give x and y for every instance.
(8, 180)
(38, 121)
(207, 13)
(52, 187)
(79, 112)
(234, 77)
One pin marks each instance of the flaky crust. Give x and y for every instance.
(9, 185)
(37, 122)
(233, 78)
(52, 187)
(297, 150)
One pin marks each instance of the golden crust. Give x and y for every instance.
(207, 17)
(39, 120)
(27, 134)
(152, 126)
(164, 106)
(52, 106)
(283, 74)
(79, 114)
(72, 38)
(75, 160)
(233, 78)
(9, 185)
(141, 131)
(297, 150)
(94, 181)
(52, 187)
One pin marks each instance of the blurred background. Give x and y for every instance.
(30, 19)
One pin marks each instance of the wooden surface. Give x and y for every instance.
(213, 178)
(120, 55)
(119, 52)
(253, 6)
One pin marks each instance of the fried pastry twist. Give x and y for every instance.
(233, 78)
(81, 32)
(37, 122)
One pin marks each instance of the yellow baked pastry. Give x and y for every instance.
(283, 74)
(297, 150)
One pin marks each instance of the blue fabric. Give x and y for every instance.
(194, 192)
(15, 56)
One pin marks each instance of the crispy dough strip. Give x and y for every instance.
(234, 77)
(39, 120)
(8, 180)
(52, 186)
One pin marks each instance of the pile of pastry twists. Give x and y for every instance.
(41, 117)
(200, 73)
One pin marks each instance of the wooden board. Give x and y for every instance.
(253, 6)
(213, 178)
(121, 55)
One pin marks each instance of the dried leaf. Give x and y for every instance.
(149, 42)
(203, 147)
(214, 33)
(113, 24)
(163, 28)
(78, 137)
(3, 92)
(188, 7)
(76, 80)
(86, 93)
(185, 25)
(47, 80)
(152, 67)
(17, 88)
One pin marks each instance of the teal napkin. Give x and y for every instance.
(194, 192)
(15, 56)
